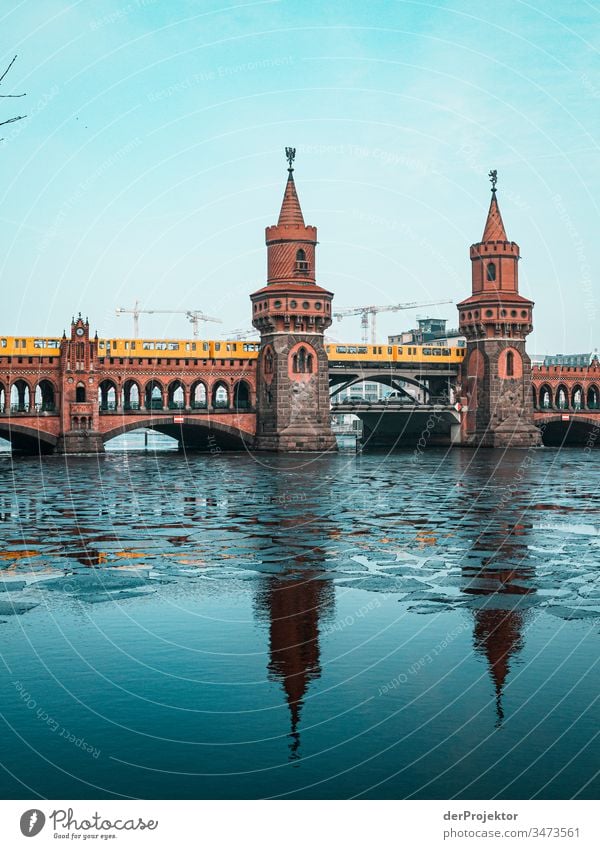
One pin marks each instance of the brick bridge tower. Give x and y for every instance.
(79, 427)
(292, 313)
(496, 319)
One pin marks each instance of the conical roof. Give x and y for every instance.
(291, 212)
(494, 226)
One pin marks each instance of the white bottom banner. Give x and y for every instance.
(301, 823)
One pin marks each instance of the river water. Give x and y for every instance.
(375, 626)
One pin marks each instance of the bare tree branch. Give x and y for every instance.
(17, 117)
(10, 120)
(10, 64)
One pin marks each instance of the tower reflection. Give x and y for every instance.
(498, 570)
(294, 601)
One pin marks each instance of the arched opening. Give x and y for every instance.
(241, 395)
(176, 395)
(198, 397)
(153, 399)
(562, 398)
(534, 397)
(491, 271)
(268, 361)
(593, 398)
(577, 398)
(45, 401)
(510, 364)
(301, 262)
(130, 395)
(80, 393)
(107, 396)
(2, 398)
(20, 397)
(302, 361)
(220, 396)
(545, 397)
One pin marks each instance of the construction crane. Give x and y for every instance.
(194, 316)
(240, 333)
(368, 315)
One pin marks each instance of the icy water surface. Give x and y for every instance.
(226, 626)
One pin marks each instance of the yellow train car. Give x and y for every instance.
(395, 354)
(29, 346)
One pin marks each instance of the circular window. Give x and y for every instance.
(469, 315)
(502, 312)
(476, 313)
(318, 305)
(523, 313)
(293, 305)
(462, 315)
(489, 313)
(305, 305)
(513, 313)
(277, 305)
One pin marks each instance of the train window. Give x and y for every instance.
(187, 346)
(363, 350)
(400, 350)
(161, 346)
(341, 349)
(3, 343)
(217, 346)
(445, 352)
(352, 349)
(39, 343)
(148, 346)
(437, 352)
(389, 350)
(173, 346)
(426, 352)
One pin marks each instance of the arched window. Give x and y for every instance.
(302, 361)
(80, 393)
(491, 271)
(268, 361)
(562, 401)
(510, 364)
(301, 261)
(545, 398)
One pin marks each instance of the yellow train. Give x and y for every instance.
(394, 353)
(216, 349)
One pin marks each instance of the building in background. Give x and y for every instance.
(430, 331)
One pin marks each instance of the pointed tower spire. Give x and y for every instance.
(494, 226)
(291, 212)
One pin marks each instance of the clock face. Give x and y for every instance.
(79, 331)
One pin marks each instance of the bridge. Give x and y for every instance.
(73, 394)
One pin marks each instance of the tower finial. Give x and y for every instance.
(493, 175)
(290, 155)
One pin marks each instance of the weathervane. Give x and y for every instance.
(493, 175)
(290, 153)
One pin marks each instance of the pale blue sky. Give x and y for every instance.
(152, 158)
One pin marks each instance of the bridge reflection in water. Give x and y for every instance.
(498, 577)
(294, 602)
